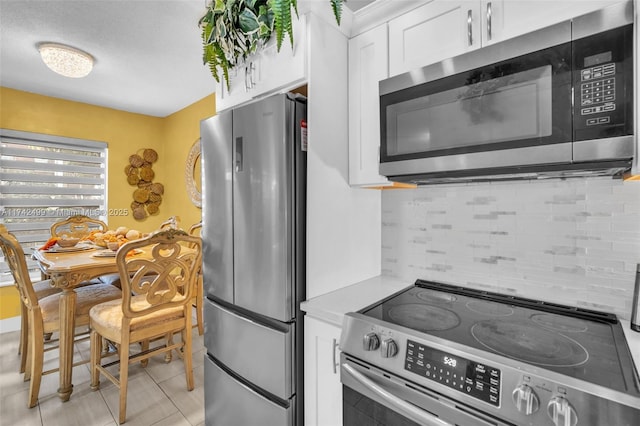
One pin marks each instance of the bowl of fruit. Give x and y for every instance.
(67, 242)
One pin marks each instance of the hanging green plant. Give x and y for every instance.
(234, 29)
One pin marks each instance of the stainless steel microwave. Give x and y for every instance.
(555, 102)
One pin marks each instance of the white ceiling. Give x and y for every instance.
(148, 52)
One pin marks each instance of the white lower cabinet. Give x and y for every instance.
(322, 387)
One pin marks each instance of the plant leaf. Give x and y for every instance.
(266, 16)
(231, 30)
(218, 6)
(336, 5)
(248, 21)
(282, 20)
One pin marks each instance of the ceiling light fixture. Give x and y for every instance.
(66, 60)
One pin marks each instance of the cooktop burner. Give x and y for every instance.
(529, 343)
(564, 324)
(424, 317)
(432, 296)
(566, 340)
(490, 308)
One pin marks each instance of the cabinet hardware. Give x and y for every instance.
(252, 68)
(469, 28)
(489, 13)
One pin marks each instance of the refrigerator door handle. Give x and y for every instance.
(239, 153)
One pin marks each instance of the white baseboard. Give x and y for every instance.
(10, 324)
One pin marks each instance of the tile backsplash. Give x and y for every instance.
(574, 241)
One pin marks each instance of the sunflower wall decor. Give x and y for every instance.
(148, 195)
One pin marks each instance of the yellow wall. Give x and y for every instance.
(181, 130)
(9, 302)
(125, 133)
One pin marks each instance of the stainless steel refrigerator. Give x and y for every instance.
(254, 198)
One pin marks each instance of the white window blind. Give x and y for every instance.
(44, 179)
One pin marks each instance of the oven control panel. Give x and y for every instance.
(477, 380)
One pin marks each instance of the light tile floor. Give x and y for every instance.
(157, 395)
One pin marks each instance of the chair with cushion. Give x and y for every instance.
(43, 314)
(196, 230)
(157, 288)
(42, 289)
(78, 226)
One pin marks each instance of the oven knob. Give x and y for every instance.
(561, 412)
(389, 348)
(371, 342)
(525, 399)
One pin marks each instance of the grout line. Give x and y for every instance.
(5, 369)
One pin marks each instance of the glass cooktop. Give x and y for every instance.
(584, 344)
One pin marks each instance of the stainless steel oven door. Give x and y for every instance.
(373, 396)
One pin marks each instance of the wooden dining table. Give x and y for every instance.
(67, 270)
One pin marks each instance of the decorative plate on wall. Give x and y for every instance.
(193, 175)
(148, 197)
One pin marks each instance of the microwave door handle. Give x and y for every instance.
(489, 13)
(400, 405)
(469, 27)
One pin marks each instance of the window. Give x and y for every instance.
(44, 179)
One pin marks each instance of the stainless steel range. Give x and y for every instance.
(435, 354)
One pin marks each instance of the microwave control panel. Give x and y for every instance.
(598, 93)
(603, 84)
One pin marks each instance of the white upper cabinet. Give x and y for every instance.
(368, 53)
(442, 29)
(503, 19)
(268, 70)
(433, 32)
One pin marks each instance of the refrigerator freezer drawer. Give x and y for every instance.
(259, 353)
(230, 403)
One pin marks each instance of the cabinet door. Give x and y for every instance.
(287, 67)
(322, 387)
(239, 90)
(368, 59)
(267, 70)
(503, 19)
(433, 32)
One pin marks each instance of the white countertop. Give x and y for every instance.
(633, 340)
(331, 307)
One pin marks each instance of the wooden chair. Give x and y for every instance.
(157, 289)
(43, 314)
(41, 289)
(77, 226)
(171, 223)
(196, 230)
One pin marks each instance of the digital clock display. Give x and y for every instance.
(472, 378)
(450, 361)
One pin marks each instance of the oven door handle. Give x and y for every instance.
(400, 405)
